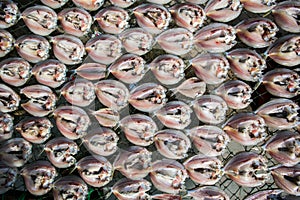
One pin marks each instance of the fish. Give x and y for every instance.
(71, 121)
(96, 171)
(35, 129)
(41, 20)
(68, 49)
(204, 170)
(247, 169)
(210, 109)
(134, 162)
(257, 32)
(10, 14)
(101, 141)
(75, 21)
(51, 73)
(215, 38)
(208, 140)
(15, 152)
(211, 68)
(61, 152)
(107, 117)
(246, 128)
(6, 126)
(236, 93)
(168, 176)
(208, 192)
(282, 82)
(112, 20)
(139, 129)
(33, 48)
(15, 71)
(192, 87)
(92, 71)
(7, 42)
(284, 147)
(122, 3)
(266, 194)
(8, 177)
(79, 92)
(9, 99)
(54, 4)
(39, 177)
(148, 97)
(70, 186)
(172, 144)
(90, 5)
(259, 6)
(168, 69)
(111, 93)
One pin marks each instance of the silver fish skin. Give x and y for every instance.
(211, 68)
(168, 176)
(177, 41)
(10, 14)
(112, 20)
(33, 48)
(282, 82)
(60, 152)
(137, 41)
(41, 100)
(139, 129)
(192, 88)
(204, 170)
(168, 69)
(51, 73)
(246, 64)
(166, 197)
(127, 189)
(35, 130)
(224, 10)
(159, 1)
(54, 4)
(259, 6)
(96, 171)
(8, 177)
(236, 93)
(208, 192)
(287, 178)
(70, 186)
(112, 94)
(6, 43)
(247, 169)
(92, 71)
(72, 121)
(129, 68)
(257, 32)
(285, 16)
(285, 51)
(39, 177)
(104, 48)
(79, 92)
(215, 38)
(154, 18)
(188, 15)
(266, 194)
(209, 140)
(107, 117)
(68, 49)
(172, 144)
(6, 126)
(280, 113)
(90, 5)
(210, 109)
(75, 21)
(122, 3)
(40, 20)
(9, 99)
(148, 97)
(101, 141)
(15, 152)
(175, 114)
(134, 162)
(284, 147)
(246, 128)
(15, 71)
(197, 1)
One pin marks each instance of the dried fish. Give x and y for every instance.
(6, 127)
(208, 192)
(122, 3)
(10, 14)
(92, 71)
(90, 5)
(54, 3)
(192, 88)
(266, 194)
(8, 177)
(107, 117)
(223, 10)
(9, 99)
(259, 6)
(6, 43)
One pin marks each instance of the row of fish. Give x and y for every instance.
(247, 169)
